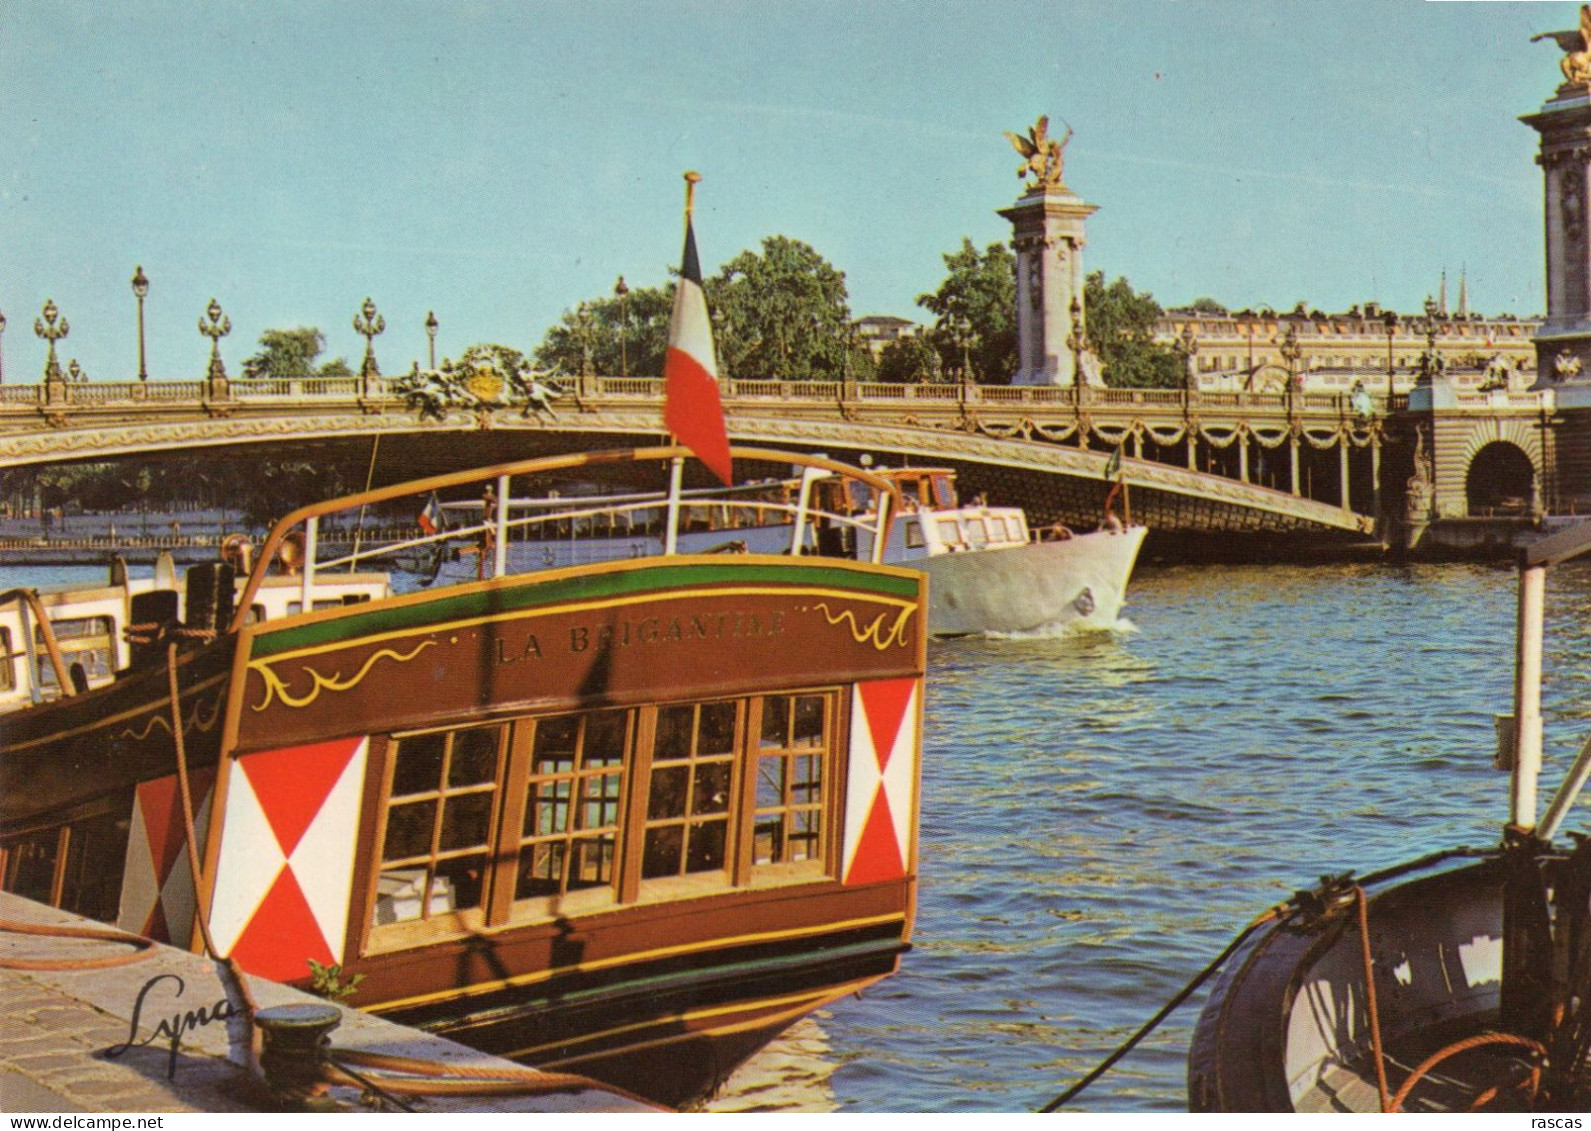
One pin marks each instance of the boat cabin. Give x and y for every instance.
(629, 818)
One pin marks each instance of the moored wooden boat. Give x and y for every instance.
(1460, 981)
(628, 819)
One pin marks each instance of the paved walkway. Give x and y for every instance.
(90, 1040)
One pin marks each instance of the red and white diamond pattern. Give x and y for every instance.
(287, 856)
(157, 884)
(883, 774)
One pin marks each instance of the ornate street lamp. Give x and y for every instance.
(1430, 360)
(1075, 340)
(1390, 321)
(369, 323)
(430, 332)
(961, 329)
(1291, 352)
(215, 325)
(583, 316)
(1190, 350)
(2, 350)
(47, 328)
(624, 325)
(141, 290)
(75, 373)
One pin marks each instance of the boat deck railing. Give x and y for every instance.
(296, 541)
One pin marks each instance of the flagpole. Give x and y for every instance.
(676, 471)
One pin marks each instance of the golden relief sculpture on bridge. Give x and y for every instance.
(1044, 158)
(1576, 45)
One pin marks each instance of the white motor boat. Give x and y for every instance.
(989, 572)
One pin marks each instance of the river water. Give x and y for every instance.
(1101, 813)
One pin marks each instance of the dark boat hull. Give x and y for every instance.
(1285, 1028)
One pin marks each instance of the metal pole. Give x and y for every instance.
(676, 471)
(881, 528)
(1527, 696)
(1342, 452)
(500, 564)
(798, 529)
(306, 586)
(1567, 792)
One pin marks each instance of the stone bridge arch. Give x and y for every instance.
(1502, 468)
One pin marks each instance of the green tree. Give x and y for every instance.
(864, 366)
(1206, 305)
(1121, 327)
(976, 309)
(642, 319)
(909, 360)
(292, 353)
(780, 314)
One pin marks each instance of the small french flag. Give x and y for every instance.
(431, 519)
(691, 406)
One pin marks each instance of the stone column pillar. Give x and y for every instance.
(1563, 344)
(1048, 235)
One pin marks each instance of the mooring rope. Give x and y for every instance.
(1170, 1007)
(1370, 994)
(1437, 1057)
(144, 947)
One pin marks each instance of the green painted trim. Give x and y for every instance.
(363, 620)
(656, 984)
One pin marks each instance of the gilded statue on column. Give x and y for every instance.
(1576, 44)
(1044, 158)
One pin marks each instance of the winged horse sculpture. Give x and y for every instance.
(1576, 45)
(1044, 157)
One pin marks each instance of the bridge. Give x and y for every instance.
(1331, 465)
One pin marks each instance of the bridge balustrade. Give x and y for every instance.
(102, 392)
(173, 390)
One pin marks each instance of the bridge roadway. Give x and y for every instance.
(1043, 448)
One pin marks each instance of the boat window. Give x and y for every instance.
(914, 534)
(571, 830)
(950, 532)
(944, 492)
(791, 761)
(439, 823)
(8, 668)
(91, 881)
(30, 865)
(316, 604)
(77, 867)
(567, 813)
(89, 641)
(687, 808)
(977, 533)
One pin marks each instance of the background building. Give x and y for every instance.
(1246, 349)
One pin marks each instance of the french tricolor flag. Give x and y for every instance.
(431, 519)
(691, 407)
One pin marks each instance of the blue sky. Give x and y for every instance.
(497, 162)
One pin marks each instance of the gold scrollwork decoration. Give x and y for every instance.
(276, 687)
(882, 638)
